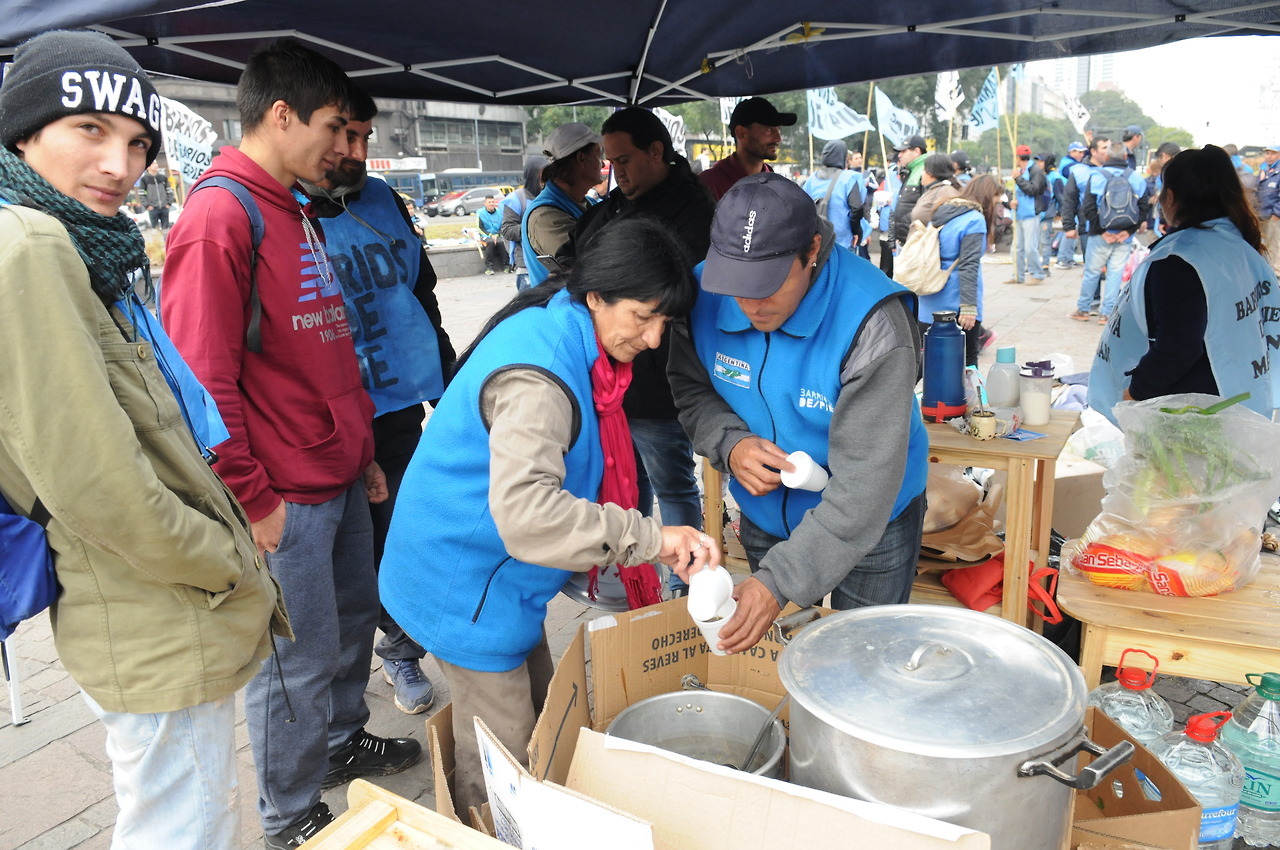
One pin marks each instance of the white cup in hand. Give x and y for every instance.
(808, 475)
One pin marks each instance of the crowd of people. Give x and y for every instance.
(258, 495)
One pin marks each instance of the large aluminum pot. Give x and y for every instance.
(954, 714)
(708, 725)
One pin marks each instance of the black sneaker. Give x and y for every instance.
(299, 833)
(367, 755)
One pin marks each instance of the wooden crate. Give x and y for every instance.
(381, 820)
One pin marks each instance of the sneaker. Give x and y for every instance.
(299, 833)
(488, 271)
(1064, 265)
(1102, 320)
(986, 338)
(414, 693)
(367, 755)
(1011, 280)
(1080, 316)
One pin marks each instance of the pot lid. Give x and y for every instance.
(935, 681)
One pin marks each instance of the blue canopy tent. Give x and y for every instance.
(647, 52)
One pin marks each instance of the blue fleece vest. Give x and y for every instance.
(1244, 319)
(377, 262)
(446, 576)
(785, 384)
(949, 240)
(838, 206)
(551, 195)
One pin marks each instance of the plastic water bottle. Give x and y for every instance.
(1130, 701)
(1002, 378)
(1253, 734)
(1210, 771)
(943, 368)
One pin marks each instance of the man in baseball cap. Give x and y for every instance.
(1269, 201)
(799, 341)
(757, 130)
(573, 166)
(1029, 204)
(163, 610)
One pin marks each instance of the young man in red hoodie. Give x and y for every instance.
(270, 340)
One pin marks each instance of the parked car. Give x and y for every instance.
(465, 202)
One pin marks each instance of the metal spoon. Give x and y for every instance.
(764, 730)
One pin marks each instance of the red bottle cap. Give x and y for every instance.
(1204, 727)
(1135, 678)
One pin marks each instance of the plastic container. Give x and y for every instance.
(943, 369)
(1253, 734)
(1132, 703)
(1212, 773)
(1034, 392)
(1002, 378)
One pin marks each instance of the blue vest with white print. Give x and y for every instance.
(550, 196)
(446, 576)
(1244, 319)
(376, 257)
(785, 383)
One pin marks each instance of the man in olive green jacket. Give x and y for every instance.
(165, 609)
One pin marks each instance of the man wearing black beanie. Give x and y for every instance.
(164, 610)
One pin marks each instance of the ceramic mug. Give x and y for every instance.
(982, 425)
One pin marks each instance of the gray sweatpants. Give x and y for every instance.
(325, 565)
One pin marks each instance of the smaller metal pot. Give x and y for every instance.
(708, 725)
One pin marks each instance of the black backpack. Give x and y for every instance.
(1118, 206)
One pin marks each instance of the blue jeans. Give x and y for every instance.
(1067, 250)
(882, 577)
(175, 776)
(1027, 262)
(665, 467)
(522, 279)
(1046, 240)
(325, 565)
(1101, 255)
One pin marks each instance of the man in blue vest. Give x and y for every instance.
(1269, 202)
(573, 166)
(1028, 206)
(1110, 241)
(797, 344)
(388, 286)
(1067, 244)
(838, 192)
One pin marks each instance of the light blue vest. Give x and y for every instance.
(838, 206)
(446, 576)
(785, 384)
(378, 265)
(1244, 319)
(551, 195)
(949, 239)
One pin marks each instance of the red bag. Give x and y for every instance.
(981, 586)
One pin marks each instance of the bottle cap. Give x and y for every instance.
(1135, 678)
(1204, 727)
(945, 316)
(1036, 368)
(1006, 354)
(1268, 684)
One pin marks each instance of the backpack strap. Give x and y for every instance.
(253, 333)
(39, 513)
(826, 199)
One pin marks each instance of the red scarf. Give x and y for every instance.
(609, 382)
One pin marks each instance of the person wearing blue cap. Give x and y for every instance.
(1067, 244)
(1269, 201)
(796, 343)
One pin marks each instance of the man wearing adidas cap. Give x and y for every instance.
(798, 344)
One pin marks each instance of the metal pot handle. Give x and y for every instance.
(784, 629)
(1107, 761)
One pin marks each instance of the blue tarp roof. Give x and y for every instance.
(641, 51)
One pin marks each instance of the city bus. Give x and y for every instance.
(427, 186)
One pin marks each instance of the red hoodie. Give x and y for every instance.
(300, 420)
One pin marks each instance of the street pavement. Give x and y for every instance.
(55, 779)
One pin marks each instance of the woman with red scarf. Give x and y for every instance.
(526, 475)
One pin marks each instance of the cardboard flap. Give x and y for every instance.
(564, 712)
(532, 814)
(440, 740)
(713, 808)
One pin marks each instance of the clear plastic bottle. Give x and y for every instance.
(1212, 773)
(1002, 378)
(1253, 734)
(1132, 703)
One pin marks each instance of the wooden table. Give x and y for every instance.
(1219, 638)
(1028, 503)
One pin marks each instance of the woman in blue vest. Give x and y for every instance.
(523, 478)
(962, 240)
(1202, 312)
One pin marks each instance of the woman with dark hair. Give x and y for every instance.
(526, 475)
(962, 240)
(940, 185)
(1199, 311)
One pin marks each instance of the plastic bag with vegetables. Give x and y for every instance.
(1185, 505)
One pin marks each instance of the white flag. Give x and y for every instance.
(896, 125)
(948, 95)
(830, 119)
(1076, 113)
(675, 126)
(986, 109)
(188, 140)
(726, 108)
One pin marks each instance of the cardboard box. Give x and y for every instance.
(1077, 495)
(1120, 813)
